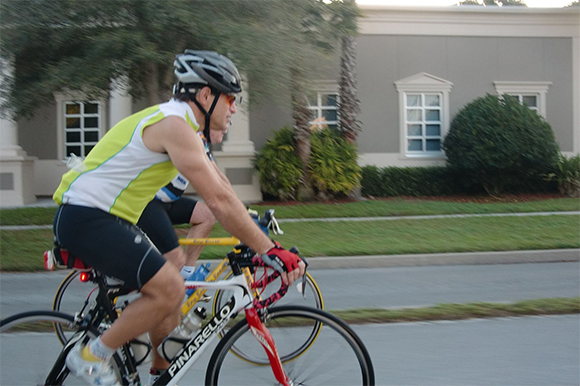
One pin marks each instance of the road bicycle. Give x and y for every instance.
(270, 334)
(77, 292)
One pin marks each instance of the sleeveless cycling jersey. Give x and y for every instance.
(175, 189)
(121, 175)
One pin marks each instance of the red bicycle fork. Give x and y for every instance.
(263, 336)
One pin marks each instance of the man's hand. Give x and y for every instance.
(290, 265)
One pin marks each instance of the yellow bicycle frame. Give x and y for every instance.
(214, 275)
(211, 241)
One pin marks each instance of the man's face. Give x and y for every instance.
(221, 117)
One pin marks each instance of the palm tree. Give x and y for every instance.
(301, 116)
(348, 106)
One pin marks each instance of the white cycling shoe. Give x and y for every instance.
(95, 373)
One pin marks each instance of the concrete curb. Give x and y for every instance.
(468, 258)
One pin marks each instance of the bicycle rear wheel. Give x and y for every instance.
(312, 298)
(71, 296)
(75, 296)
(31, 354)
(336, 357)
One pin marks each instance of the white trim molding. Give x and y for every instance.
(576, 92)
(425, 84)
(469, 21)
(525, 88)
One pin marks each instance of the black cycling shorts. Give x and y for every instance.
(110, 244)
(158, 219)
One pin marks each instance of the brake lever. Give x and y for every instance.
(301, 286)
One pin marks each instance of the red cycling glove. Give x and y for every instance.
(280, 259)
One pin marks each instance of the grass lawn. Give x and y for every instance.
(22, 250)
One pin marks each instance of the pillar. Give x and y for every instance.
(16, 168)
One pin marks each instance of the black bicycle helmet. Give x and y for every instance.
(195, 69)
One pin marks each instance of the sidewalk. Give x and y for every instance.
(381, 218)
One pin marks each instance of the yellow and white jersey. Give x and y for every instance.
(121, 175)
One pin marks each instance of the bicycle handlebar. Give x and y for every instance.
(243, 256)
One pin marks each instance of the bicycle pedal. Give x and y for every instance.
(205, 298)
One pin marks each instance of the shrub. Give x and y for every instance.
(371, 181)
(500, 144)
(333, 164)
(408, 181)
(567, 175)
(279, 168)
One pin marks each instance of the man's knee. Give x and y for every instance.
(176, 257)
(166, 288)
(202, 215)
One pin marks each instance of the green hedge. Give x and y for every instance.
(409, 181)
(435, 181)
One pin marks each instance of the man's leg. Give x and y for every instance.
(156, 334)
(119, 249)
(156, 309)
(202, 222)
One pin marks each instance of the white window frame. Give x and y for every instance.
(423, 122)
(423, 84)
(320, 88)
(520, 89)
(61, 101)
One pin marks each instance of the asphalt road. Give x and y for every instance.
(391, 287)
(501, 351)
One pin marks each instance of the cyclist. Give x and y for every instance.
(102, 198)
(169, 208)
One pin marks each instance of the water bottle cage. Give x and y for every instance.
(167, 355)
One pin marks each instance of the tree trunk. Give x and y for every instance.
(301, 116)
(348, 107)
(152, 84)
(349, 104)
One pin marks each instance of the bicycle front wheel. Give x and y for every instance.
(311, 297)
(336, 357)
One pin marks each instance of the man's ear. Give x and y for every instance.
(204, 94)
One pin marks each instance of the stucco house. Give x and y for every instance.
(417, 67)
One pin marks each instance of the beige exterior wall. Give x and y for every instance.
(469, 50)
(471, 47)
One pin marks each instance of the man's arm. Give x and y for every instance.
(174, 136)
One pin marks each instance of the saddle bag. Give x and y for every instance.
(61, 258)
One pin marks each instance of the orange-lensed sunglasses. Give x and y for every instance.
(231, 98)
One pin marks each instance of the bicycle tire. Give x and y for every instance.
(70, 298)
(58, 303)
(46, 358)
(221, 296)
(337, 357)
